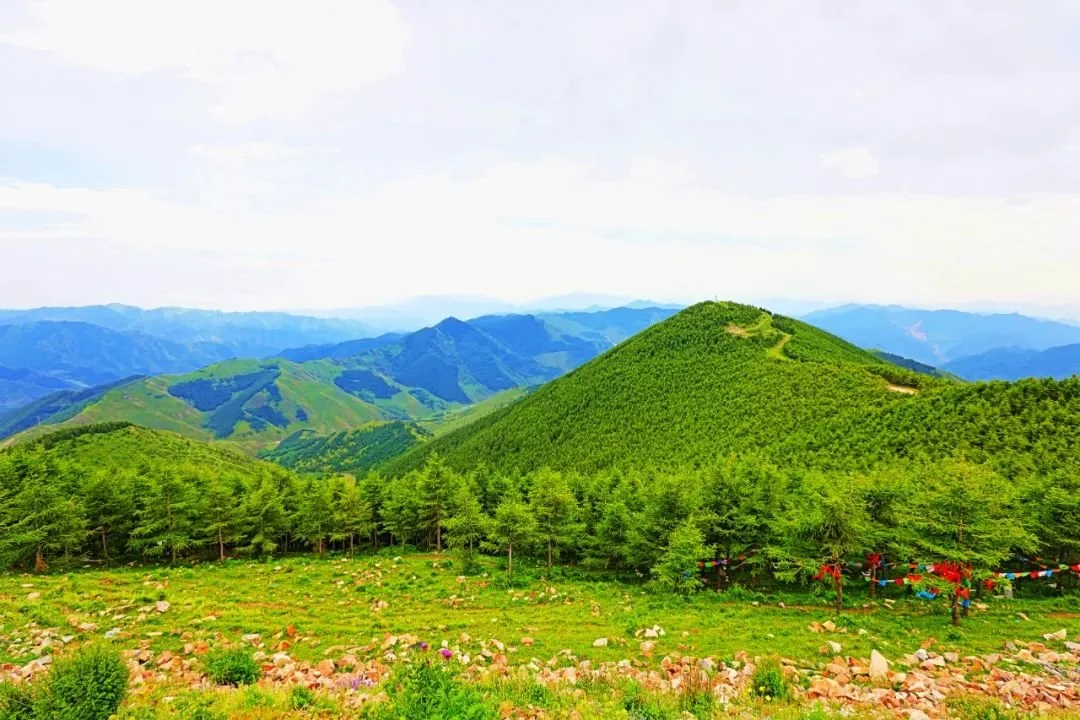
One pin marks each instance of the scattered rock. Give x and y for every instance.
(647, 648)
(879, 666)
(527, 641)
(34, 596)
(600, 643)
(1059, 635)
(162, 606)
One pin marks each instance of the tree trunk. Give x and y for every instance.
(438, 538)
(39, 561)
(550, 555)
(221, 546)
(839, 584)
(956, 609)
(105, 546)
(510, 559)
(173, 553)
(873, 581)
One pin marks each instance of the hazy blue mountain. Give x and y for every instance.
(246, 334)
(1017, 363)
(346, 349)
(908, 363)
(19, 386)
(936, 337)
(91, 354)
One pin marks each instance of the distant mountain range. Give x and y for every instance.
(245, 334)
(938, 337)
(1017, 363)
(327, 388)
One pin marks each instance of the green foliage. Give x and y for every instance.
(89, 685)
(426, 691)
(769, 682)
(351, 451)
(513, 525)
(301, 698)
(232, 667)
(16, 701)
(677, 570)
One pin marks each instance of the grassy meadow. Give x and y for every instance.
(370, 614)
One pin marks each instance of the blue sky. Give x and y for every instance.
(252, 154)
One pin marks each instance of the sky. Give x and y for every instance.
(268, 154)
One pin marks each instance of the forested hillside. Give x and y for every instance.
(715, 379)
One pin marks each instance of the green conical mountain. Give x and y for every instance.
(716, 378)
(721, 379)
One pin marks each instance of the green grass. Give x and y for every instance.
(326, 608)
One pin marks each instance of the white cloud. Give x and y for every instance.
(248, 152)
(263, 57)
(524, 231)
(856, 163)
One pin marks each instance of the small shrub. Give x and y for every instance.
(16, 702)
(255, 698)
(769, 682)
(198, 707)
(971, 707)
(232, 667)
(432, 692)
(89, 685)
(301, 698)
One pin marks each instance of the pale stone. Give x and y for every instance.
(879, 666)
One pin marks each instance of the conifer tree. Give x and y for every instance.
(265, 519)
(963, 521)
(109, 509)
(512, 526)
(221, 513)
(352, 515)
(315, 515)
(554, 507)
(677, 569)
(821, 527)
(43, 519)
(465, 527)
(436, 487)
(401, 508)
(164, 523)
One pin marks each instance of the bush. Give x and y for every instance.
(16, 702)
(971, 707)
(432, 692)
(769, 682)
(232, 667)
(89, 685)
(301, 697)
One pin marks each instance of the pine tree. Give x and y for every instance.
(401, 508)
(315, 514)
(42, 518)
(109, 509)
(436, 486)
(352, 515)
(164, 523)
(513, 526)
(372, 489)
(821, 527)
(677, 569)
(221, 513)
(964, 522)
(465, 526)
(265, 519)
(554, 507)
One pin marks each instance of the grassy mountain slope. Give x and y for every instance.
(55, 407)
(1016, 363)
(716, 378)
(251, 403)
(118, 447)
(936, 337)
(351, 451)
